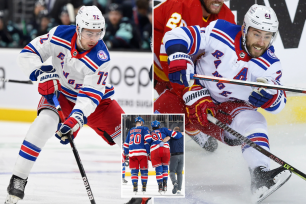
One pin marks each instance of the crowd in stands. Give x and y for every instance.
(128, 22)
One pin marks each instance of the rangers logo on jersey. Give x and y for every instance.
(102, 55)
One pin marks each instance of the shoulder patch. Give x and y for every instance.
(271, 54)
(102, 55)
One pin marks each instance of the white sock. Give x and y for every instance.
(42, 129)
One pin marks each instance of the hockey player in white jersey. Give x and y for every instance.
(242, 52)
(78, 76)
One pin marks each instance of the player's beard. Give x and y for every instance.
(252, 52)
(208, 7)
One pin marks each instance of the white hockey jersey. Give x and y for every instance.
(83, 76)
(217, 51)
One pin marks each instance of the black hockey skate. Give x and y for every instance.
(208, 143)
(265, 182)
(164, 186)
(175, 187)
(211, 144)
(135, 187)
(144, 187)
(15, 190)
(138, 201)
(160, 187)
(124, 181)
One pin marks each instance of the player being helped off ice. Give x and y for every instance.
(236, 52)
(138, 150)
(78, 77)
(160, 152)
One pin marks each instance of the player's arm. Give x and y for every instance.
(171, 134)
(271, 100)
(148, 138)
(31, 60)
(126, 144)
(180, 43)
(88, 99)
(35, 53)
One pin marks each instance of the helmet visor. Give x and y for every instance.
(91, 35)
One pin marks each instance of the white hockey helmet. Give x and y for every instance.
(90, 17)
(261, 18)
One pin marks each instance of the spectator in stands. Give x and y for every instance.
(64, 17)
(5, 37)
(147, 32)
(45, 25)
(10, 35)
(140, 15)
(120, 31)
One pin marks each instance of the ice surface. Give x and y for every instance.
(222, 177)
(55, 177)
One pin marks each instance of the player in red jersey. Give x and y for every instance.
(168, 15)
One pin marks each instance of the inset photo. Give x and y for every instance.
(153, 151)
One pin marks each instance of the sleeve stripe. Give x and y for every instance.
(85, 89)
(33, 48)
(188, 32)
(108, 92)
(196, 35)
(175, 42)
(90, 67)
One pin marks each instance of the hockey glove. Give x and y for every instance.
(261, 97)
(71, 126)
(180, 68)
(198, 104)
(161, 144)
(127, 161)
(48, 81)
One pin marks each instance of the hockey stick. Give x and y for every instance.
(76, 154)
(247, 83)
(255, 146)
(16, 81)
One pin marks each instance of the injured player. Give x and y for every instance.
(242, 52)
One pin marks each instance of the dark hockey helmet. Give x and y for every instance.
(139, 119)
(155, 124)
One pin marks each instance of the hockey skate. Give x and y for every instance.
(139, 201)
(265, 182)
(144, 187)
(175, 187)
(208, 143)
(135, 188)
(164, 186)
(15, 190)
(124, 181)
(160, 187)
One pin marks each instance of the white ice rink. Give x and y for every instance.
(55, 178)
(222, 177)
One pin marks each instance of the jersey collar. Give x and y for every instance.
(74, 51)
(241, 54)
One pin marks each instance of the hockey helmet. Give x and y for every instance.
(262, 18)
(139, 119)
(155, 124)
(90, 17)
